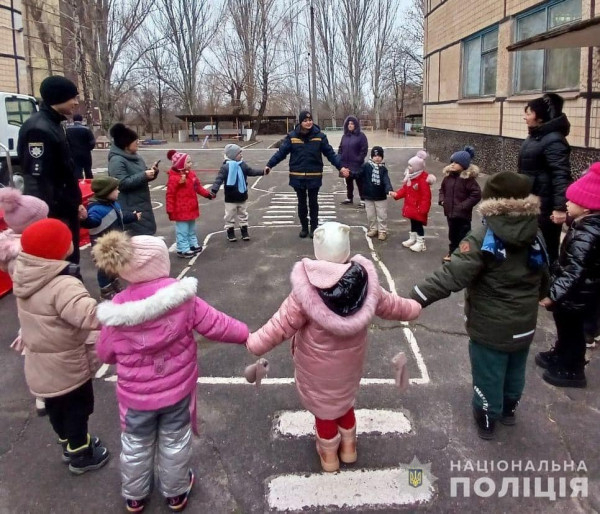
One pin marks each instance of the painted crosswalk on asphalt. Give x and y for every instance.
(282, 209)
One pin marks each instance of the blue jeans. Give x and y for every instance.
(185, 233)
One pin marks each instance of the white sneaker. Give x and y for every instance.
(419, 246)
(412, 239)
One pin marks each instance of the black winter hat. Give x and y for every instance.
(56, 90)
(122, 136)
(506, 184)
(376, 150)
(547, 107)
(303, 115)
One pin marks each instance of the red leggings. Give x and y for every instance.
(328, 428)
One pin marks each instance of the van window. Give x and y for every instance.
(18, 110)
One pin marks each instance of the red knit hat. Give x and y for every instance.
(586, 191)
(177, 158)
(48, 239)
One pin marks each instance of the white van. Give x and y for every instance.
(14, 110)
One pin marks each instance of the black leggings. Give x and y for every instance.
(417, 226)
(69, 414)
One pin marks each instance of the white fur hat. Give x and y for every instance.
(332, 242)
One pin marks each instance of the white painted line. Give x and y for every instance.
(156, 188)
(183, 272)
(284, 206)
(368, 421)
(101, 371)
(279, 217)
(278, 222)
(363, 488)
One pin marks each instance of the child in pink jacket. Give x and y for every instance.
(148, 332)
(327, 316)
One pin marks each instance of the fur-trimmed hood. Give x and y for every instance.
(514, 220)
(136, 312)
(471, 172)
(308, 297)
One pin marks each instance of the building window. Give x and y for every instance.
(480, 55)
(547, 70)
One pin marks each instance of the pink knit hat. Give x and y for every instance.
(586, 191)
(136, 259)
(418, 161)
(20, 210)
(177, 158)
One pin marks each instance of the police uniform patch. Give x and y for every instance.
(36, 150)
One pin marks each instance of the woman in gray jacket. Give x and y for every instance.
(129, 168)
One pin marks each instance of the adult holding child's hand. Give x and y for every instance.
(126, 165)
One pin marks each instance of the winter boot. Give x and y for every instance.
(196, 249)
(412, 239)
(186, 255)
(66, 457)
(328, 453)
(447, 258)
(547, 359)
(419, 246)
(485, 425)
(40, 406)
(312, 229)
(348, 453)
(347, 201)
(245, 235)
(304, 231)
(372, 233)
(87, 457)
(107, 292)
(361, 204)
(508, 412)
(178, 503)
(135, 505)
(231, 235)
(559, 376)
(382, 236)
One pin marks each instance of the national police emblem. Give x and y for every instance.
(36, 150)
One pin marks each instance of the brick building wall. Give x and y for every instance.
(13, 76)
(494, 123)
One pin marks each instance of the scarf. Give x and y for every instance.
(375, 177)
(537, 258)
(235, 174)
(408, 176)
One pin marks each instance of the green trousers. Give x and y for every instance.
(497, 376)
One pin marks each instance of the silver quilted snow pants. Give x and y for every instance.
(165, 433)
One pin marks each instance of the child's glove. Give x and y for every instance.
(213, 193)
(257, 371)
(399, 362)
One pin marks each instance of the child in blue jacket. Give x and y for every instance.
(103, 215)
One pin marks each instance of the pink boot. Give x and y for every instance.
(328, 452)
(348, 453)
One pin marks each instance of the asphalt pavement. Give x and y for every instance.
(418, 451)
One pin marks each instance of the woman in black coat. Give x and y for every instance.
(545, 159)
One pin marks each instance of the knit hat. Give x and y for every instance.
(77, 117)
(506, 184)
(463, 157)
(546, 107)
(232, 151)
(303, 115)
(56, 90)
(135, 259)
(376, 150)
(21, 210)
(418, 161)
(122, 136)
(103, 186)
(332, 242)
(586, 191)
(48, 238)
(177, 159)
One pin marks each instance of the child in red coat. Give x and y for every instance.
(416, 192)
(182, 204)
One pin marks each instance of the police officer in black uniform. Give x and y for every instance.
(45, 157)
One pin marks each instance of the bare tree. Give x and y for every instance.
(415, 34)
(188, 28)
(109, 27)
(35, 11)
(356, 25)
(385, 16)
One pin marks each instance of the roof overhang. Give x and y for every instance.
(573, 35)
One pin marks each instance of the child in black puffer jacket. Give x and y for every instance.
(575, 284)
